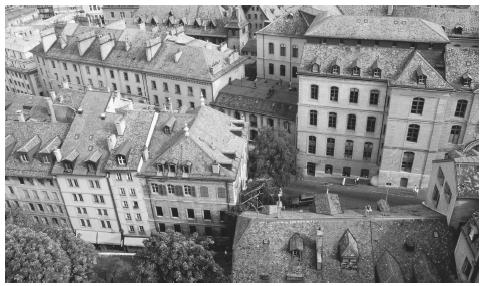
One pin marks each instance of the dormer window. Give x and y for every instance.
(421, 79)
(172, 168)
(377, 73)
(45, 158)
(466, 82)
(68, 166)
(160, 168)
(335, 69)
(23, 157)
(355, 71)
(121, 160)
(186, 168)
(166, 130)
(315, 68)
(91, 167)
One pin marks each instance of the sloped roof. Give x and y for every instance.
(377, 28)
(181, 11)
(30, 144)
(388, 270)
(363, 10)
(296, 242)
(467, 176)
(271, 11)
(461, 61)
(347, 245)
(289, 24)
(50, 146)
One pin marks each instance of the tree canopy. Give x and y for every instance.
(32, 256)
(81, 254)
(274, 155)
(172, 257)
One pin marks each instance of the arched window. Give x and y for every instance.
(455, 134)
(313, 117)
(367, 149)
(417, 105)
(312, 145)
(356, 71)
(412, 133)
(334, 91)
(349, 149)
(330, 147)
(315, 68)
(407, 161)
(460, 109)
(332, 119)
(335, 69)
(351, 124)
(374, 95)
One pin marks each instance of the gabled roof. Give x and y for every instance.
(289, 24)
(296, 242)
(377, 28)
(94, 156)
(418, 65)
(271, 12)
(388, 270)
(34, 142)
(50, 146)
(347, 245)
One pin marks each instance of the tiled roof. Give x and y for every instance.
(377, 28)
(242, 95)
(271, 11)
(363, 10)
(195, 62)
(290, 24)
(250, 46)
(388, 270)
(397, 65)
(467, 176)
(20, 44)
(461, 61)
(207, 141)
(180, 11)
(20, 12)
(23, 132)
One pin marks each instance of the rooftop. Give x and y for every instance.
(21, 45)
(460, 62)
(289, 24)
(256, 97)
(404, 29)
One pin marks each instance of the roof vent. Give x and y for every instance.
(79, 110)
(103, 116)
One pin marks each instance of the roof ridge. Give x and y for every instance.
(433, 28)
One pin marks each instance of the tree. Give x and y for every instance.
(172, 257)
(259, 192)
(81, 254)
(32, 256)
(274, 155)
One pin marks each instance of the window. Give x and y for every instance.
(75, 67)
(141, 229)
(407, 161)
(135, 205)
(132, 192)
(64, 65)
(189, 191)
(412, 133)
(346, 171)
(190, 91)
(440, 176)
(466, 267)
(351, 124)
(283, 50)
(114, 86)
(313, 117)
(377, 72)
(24, 158)
(174, 212)
(128, 217)
(177, 227)
(154, 188)
(335, 69)
(271, 68)
(203, 192)
(136, 76)
(98, 71)
(374, 94)
(192, 229)
(204, 93)
(330, 142)
(314, 91)
(282, 70)
(294, 72)
(41, 208)
(131, 228)
(365, 173)
(111, 73)
(312, 145)
(11, 190)
(221, 193)
(177, 89)
(112, 14)
(207, 215)
(121, 160)
(328, 169)
(270, 122)
(161, 227)
(355, 71)
(122, 192)
(367, 149)
(159, 211)
(129, 176)
(271, 48)
(354, 95)
(348, 149)
(153, 84)
(21, 180)
(32, 207)
(461, 107)
(140, 93)
(447, 193)
(253, 120)
(311, 168)
(455, 134)
(333, 95)
(421, 79)
(417, 105)
(370, 124)
(436, 196)
(466, 81)
(118, 177)
(68, 78)
(128, 89)
(295, 51)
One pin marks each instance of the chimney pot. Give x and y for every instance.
(20, 115)
(58, 155)
(120, 126)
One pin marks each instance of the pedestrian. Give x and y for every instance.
(366, 210)
(357, 180)
(369, 209)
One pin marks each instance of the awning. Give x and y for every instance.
(86, 235)
(109, 238)
(134, 241)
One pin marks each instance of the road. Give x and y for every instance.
(355, 197)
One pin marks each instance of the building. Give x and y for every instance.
(264, 103)
(454, 185)
(48, 11)
(260, 16)
(113, 13)
(94, 14)
(159, 68)
(20, 16)
(21, 73)
(195, 167)
(280, 44)
(467, 251)
(344, 248)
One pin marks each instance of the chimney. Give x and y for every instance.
(111, 142)
(120, 126)
(52, 95)
(146, 153)
(65, 84)
(20, 115)
(222, 47)
(390, 10)
(152, 46)
(130, 105)
(186, 130)
(48, 38)
(106, 44)
(84, 41)
(58, 154)
(51, 109)
(178, 55)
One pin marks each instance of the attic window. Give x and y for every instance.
(68, 166)
(91, 167)
(186, 168)
(172, 168)
(377, 72)
(46, 158)
(335, 69)
(356, 71)
(421, 79)
(160, 168)
(166, 130)
(23, 157)
(458, 30)
(315, 68)
(121, 160)
(466, 81)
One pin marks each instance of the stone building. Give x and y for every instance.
(467, 251)
(21, 73)
(20, 16)
(260, 16)
(113, 13)
(265, 103)
(94, 14)
(159, 68)
(195, 167)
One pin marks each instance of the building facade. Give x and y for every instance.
(113, 13)
(467, 251)
(260, 16)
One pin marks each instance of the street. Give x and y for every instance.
(353, 197)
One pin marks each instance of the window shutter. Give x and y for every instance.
(179, 191)
(162, 189)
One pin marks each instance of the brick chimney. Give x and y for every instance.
(120, 126)
(84, 41)
(111, 142)
(48, 38)
(152, 46)
(20, 115)
(106, 44)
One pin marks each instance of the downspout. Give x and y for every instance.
(428, 148)
(62, 198)
(114, 205)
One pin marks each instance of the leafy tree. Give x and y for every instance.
(172, 257)
(274, 155)
(261, 191)
(81, 254)
(32, 256)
